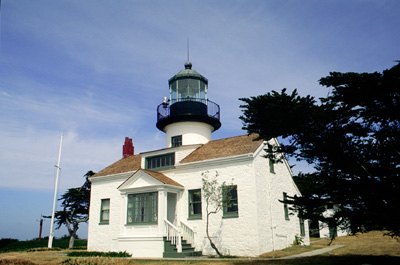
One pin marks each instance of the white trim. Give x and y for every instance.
(216, 161)
(139, 238)
(169, 150)
(112, 177)
(153, 188)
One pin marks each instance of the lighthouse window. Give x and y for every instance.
(176, 141)
(160, 162)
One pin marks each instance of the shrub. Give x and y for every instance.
(7, 244)
(99, 254)
(43, 249)
(298, 241)
(16, 262)
(6, 241)
(96, 261)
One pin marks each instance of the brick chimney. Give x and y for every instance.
(127, 149)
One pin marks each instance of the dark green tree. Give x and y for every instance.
(75, 203)
(351, 138)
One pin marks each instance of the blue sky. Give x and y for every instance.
(96, 71)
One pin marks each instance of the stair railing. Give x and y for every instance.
(187, 233)
(173, 235)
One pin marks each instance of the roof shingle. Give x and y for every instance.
(227, 147)
(161, 177)
(232, 146)
(130, 163)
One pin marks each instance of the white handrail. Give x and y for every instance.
(187, 233)
(173, 235)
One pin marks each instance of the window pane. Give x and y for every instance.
(285, 206)
(106, 204)
(176, 141)
(202, 90)
(231, 200)
(183, 89)
(144, 208)
(106, 215)
(195, 202)
(105, 210)
(160, 161)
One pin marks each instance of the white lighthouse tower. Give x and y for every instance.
(188, 117)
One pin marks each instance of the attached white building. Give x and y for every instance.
(146, 203)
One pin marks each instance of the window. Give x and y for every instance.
(332, 230)
(105, 211)
(160, 162)
(142, 208)
(176, 141)
(271, 161)
(285, 206)
(302, 229)
(271, 165)
(230, 201)
(195, 204)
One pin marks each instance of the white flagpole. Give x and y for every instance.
(50, 244)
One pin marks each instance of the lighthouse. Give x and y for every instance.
(188, 116)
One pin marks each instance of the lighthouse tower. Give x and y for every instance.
(188, 116)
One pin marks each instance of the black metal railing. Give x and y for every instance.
(188, 106)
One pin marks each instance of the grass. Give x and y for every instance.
(370, 248)
(293, 250)
(372, 244)
(99, 254)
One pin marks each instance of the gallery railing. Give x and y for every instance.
(188, 106)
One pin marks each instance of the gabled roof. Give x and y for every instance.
(156, 175)
(131, 163)
(226, 147)
(161, 177)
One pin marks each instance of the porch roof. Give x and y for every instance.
(161, 177)
(156, 175)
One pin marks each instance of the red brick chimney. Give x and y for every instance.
(127, 149)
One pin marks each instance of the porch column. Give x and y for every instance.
(162, 211)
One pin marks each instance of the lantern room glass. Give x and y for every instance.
(188, 89)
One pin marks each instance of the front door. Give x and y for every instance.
(171, 207)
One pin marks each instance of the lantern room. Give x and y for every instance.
(188, 113)
(188, 84)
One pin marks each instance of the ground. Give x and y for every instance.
(369, 248)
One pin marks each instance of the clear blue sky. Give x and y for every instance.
(96, 71)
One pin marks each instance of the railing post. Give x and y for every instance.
(179, 243)
(174, 234)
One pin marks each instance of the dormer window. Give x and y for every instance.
(176, 141)
(160, 162)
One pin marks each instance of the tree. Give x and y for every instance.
(351, 138)
(75, 202)
(217, 196)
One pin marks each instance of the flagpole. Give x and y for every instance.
(50, 244)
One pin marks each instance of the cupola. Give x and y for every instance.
(188, 116)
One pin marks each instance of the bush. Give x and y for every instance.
(16, 262)
(7, 241)
(96, 261)
(7, 244)
(99, 254)
(43, 249)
